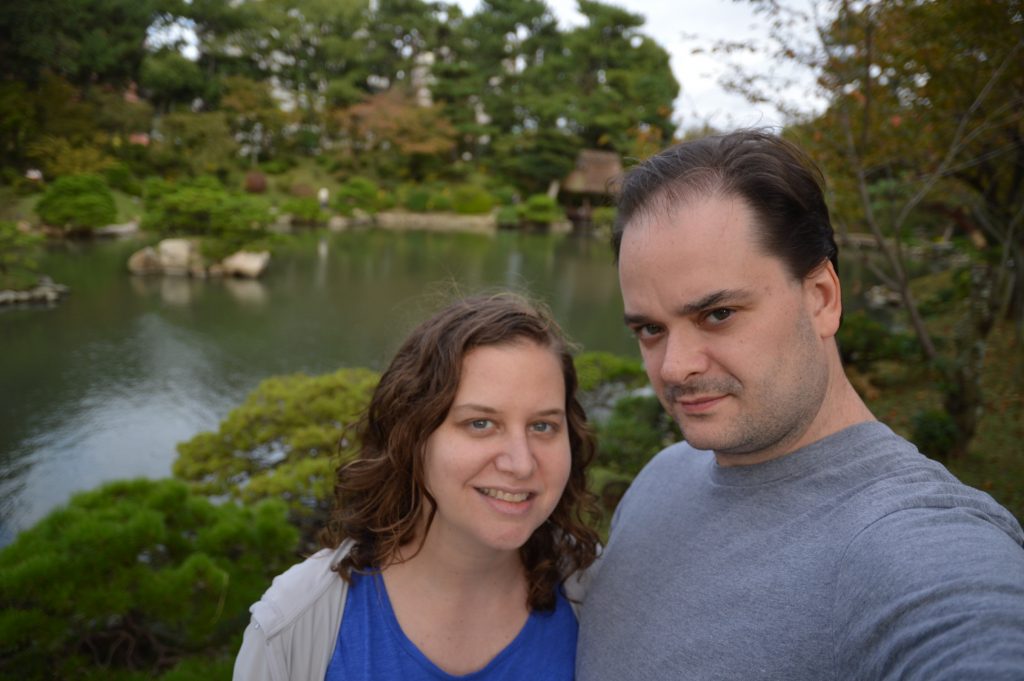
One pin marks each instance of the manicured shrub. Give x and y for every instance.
(440, 201)
(603, 217)
(863, 341)
(283, 442)
(202, 207)
(507, 217)
(304, 212)
(132, 577)
(469, 199)
(934, 432)
(594, 369)
(540, 210)
(77, 203)
(255, 182)
(637, 429)
(505, 195)
(120, 177)
(357, 192)
(416, 198)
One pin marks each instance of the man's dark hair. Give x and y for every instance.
(776, 179)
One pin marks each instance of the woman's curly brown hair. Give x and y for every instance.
(380, 498)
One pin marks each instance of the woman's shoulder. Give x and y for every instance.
(299, 588)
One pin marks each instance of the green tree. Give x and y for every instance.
(923, 129)
(134, 575)
(399, 34)
(77, 203)
(169, 78)
(85, 41)
(284, 442)
(199, 143)
(624, 83)
(391, 135)
(495, 77)
(254, 116)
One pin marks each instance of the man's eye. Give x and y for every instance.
(719, 315)
(646, 330)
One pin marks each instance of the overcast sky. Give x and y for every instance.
(669, 22)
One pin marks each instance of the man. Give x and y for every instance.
(809, 541)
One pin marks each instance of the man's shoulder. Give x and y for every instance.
(898, 478)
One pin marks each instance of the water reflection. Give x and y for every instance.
(246, 291)
(107, 383)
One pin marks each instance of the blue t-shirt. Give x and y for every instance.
(372, 645)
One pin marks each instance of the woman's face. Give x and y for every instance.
(499, 462)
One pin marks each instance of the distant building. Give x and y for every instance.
(594, 181)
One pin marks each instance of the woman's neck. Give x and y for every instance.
(458, 608)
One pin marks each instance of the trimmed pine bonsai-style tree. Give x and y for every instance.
(284, 442)
(136, 577)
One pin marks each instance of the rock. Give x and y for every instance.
(337, 223)
(246, 264)
(879, 297)
(145, 261)
(182, 258)
(124, 229)
(176, 256)
(360, 218)
(45, 292)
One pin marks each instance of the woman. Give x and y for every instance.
(456, 529)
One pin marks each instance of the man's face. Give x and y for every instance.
(732, 343)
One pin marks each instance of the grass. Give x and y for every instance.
(15, 206)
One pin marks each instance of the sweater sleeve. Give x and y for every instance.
(252, 662)
(930, 593)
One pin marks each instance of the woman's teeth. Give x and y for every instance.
(505, 496)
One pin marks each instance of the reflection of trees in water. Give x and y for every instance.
(124, 350)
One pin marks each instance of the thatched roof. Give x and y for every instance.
(596, 172)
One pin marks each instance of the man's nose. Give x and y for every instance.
(685, 356)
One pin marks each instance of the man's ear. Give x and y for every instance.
(824, 300)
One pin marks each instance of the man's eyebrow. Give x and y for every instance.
(711, 300)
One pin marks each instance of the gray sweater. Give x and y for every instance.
(853, 558)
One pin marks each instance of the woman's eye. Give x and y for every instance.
(480, 424)
(544, 427)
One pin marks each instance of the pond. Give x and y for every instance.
(105, 385)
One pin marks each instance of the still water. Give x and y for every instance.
(104, 385)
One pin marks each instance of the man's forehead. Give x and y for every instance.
(712, 215)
